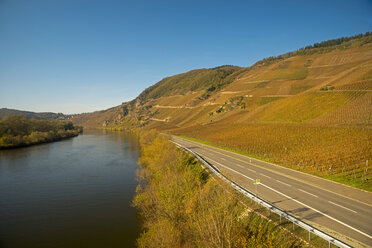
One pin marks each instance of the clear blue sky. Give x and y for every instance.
(76, 56)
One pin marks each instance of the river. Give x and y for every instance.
(72, 193)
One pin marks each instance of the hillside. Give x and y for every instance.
(5, 112)
(310, 109)
(335, 74)
(195, 86)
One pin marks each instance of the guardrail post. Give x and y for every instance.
(293, 225)
(309, 235)
(280, 218)
(329, 242)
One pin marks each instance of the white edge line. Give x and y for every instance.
(230, 169)
(316, 210)
(342, 207)
(251, 170)
(308, 193)
(222, 151)
(200, 154)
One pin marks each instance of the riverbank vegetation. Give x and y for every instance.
(183, 206)
(17, 131)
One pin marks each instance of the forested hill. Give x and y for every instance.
(5, 112)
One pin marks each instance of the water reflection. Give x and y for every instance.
(73, 193)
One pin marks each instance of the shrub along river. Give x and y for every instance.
(72, 193)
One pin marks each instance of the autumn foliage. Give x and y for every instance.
(183, 206)
(17, 131)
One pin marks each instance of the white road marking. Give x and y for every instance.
(251, 170)
(343, 207)
(308, 193)
(200, 154)
(176, 143)
(284, 183)
(316, 210)
(326, 215)
(265, 175)
(223, 152)
(223, 159)
(230, 169)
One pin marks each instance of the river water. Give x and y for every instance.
(72, 193)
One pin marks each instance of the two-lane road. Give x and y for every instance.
(327, 205)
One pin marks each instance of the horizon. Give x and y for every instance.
(72, 57)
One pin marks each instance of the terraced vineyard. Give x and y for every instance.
(310, 110)
(339, 153)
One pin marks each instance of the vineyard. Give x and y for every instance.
(310, 110)
(338, 153)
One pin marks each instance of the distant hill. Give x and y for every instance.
(4, 112)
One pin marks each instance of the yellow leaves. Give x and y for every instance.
(183, 207)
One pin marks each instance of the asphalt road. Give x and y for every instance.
(337, 209)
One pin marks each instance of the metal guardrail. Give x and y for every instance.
(281, 213)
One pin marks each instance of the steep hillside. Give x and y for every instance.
(210, 80)
(328, 83)
(319, 89)
(310, 109)
(191, 87)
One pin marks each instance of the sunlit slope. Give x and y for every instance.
(181, 90)
(98, 119)
(212, 79)
(342, 154)
(328, 85)
(309, 110)
(322, 89)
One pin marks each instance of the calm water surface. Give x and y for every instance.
(72, 193)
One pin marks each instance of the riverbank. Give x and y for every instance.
(68, 136)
